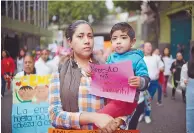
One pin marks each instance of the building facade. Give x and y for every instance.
(177, 26)
(23, 24)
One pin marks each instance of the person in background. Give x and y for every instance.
(154, 65)
(7, 71)
(187, 74)
(38, 53)
(161, 74)
(20, 60)
(167, 64)
(28, 66)
(41, 65)
(176, 72)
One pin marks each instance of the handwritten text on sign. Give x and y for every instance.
(111, 81)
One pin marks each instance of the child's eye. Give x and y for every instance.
(124, 37)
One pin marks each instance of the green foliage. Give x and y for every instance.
(69, 11)
(128, 5)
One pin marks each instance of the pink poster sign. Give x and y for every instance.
(111, 81)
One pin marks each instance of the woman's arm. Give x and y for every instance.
(68, 120)
(58, 117)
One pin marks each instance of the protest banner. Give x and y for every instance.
(30, 104)
(111, 81)
(52, 130)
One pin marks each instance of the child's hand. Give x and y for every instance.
(135, 81)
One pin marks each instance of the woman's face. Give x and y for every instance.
(28, 64)
(166, 51)
(22, 53)
(4, 54)
(179, 56)
(156, 52)
(82, 41)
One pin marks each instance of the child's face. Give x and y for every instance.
(121, 42)
(42, 93)
(26, 94)
(166, 51)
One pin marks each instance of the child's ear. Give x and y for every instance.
(133, 42)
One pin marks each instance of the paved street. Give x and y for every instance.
(169, 118)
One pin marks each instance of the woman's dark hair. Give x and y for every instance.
(7, 53)
(168, 53)
(72, 27)
(124, 27)
(191, 64)
(19, 56)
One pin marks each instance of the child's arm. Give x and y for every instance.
(142, 72)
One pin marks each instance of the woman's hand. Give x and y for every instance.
(112, 126)
(135, 81)
(174, 70)
(101, 120)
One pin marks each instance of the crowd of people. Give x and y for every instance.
(71, 105)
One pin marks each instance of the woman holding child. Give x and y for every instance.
(71, 105)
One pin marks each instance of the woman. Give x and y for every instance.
(187, 76)
(69, 109)
(20, 60)
(7, 70)
(28, 66)
(167, 64)
(176, 72)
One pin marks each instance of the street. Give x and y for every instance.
(168, 118)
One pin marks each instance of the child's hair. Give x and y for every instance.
(72, 27)
(124, 27)
(26, 88)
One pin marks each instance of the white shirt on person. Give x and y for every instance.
(42, 68)
(20, 64)
(167, 64)
(154, 64)
(184, 75)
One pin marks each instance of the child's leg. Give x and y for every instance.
(134, 120)
(152, 88)
(165, 85)
(159, 93)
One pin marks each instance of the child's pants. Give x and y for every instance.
(154, 85)
(165, 84)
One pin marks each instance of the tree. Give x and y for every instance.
(68, 11)
(128, 5)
